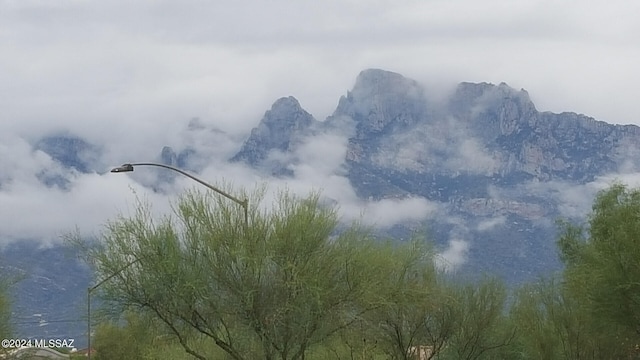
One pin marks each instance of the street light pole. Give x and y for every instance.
(244, 203)
(89, 290)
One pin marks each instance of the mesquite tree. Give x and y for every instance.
(272, 289)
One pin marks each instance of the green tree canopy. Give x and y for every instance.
(603, 259)
(273, 289)
(5, 309)
(555, 322)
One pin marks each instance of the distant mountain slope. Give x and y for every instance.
(485, 155)
(49, 302)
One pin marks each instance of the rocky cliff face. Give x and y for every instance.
(483, 130)
(544, 146)
(486, 155)
(486, 130)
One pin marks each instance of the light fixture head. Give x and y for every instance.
(123, 168)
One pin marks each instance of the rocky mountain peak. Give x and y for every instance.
(380, 99)
(280, 129)
(473, 98)
(283, 108)
(376, 81)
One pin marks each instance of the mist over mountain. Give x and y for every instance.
(481, 170)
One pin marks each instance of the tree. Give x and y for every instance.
(272, 289)
(554, 323)
(602, 259)
(7, 280)
(5, 309)
(413, 309)
(124, 341)
(482, 330)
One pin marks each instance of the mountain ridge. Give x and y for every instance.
(498, 117)
(483, 155)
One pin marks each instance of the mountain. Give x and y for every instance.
(483, 170)
(484, 130)
(492, 163)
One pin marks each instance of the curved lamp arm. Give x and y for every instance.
(244, 203)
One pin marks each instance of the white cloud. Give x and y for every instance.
(454, 256)
(31, 212)
(489, 224)
(320, 167)
(450, 148)
(575, 201)
(476, 158)
(388, 212)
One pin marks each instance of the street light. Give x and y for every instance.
(129, 168)
(89, 290)
(244, 203)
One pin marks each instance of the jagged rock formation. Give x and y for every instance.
(486, 154)
(280, 129)
(543, 145)
(279, 133)
(487, 133)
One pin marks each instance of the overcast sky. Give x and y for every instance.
(127, 75)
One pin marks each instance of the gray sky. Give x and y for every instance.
(127, 75)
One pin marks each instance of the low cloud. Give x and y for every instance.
(319, 166)
(489, 224)
(32, 212)
(454, 256)
(324, 153)
(450, 149)
(388, 212)
(575, 201)
(472, 157)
